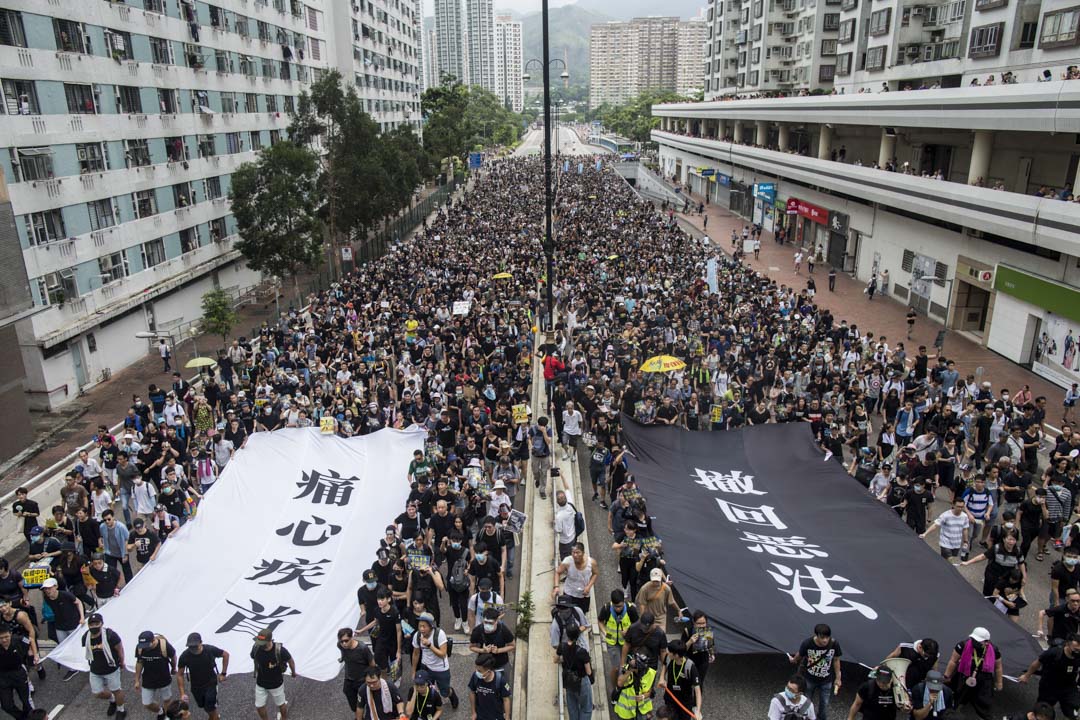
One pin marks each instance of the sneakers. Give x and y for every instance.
(603, 504)
(121, 715)
(457, 624)
(41, 672)
(70, 674)
(454, 702)
(595, 497)
(112, 709)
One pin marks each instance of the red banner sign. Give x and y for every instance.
(792, 206)
(810, 212)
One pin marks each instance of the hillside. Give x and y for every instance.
(569, 32)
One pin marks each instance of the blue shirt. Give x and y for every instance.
(114, 540)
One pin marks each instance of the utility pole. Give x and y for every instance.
(549, 243)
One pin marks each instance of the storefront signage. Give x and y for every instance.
(724, 180)
(792, 206)
(707, 172)
(1057, 298)
(812, 213)
(765, 191)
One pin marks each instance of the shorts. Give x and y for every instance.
(571, 440)
(614, 654)
(156, 696)
(101, 683)
(276, 695)
(205, 697)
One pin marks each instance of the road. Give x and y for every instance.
(568, 143)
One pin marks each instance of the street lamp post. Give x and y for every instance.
(549, 243)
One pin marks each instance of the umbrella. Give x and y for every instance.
(200, 362)
(612, 257)
(662, 364)
(501, 276)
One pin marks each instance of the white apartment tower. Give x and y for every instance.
(690, 71)
(450, 38)
(121, 124)
(431, 58)
(627, 58)
(480, 41)
(509, 63)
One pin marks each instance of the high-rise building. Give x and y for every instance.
(509, 63)
(450, 40)
(378, 47)
(16, 432)
(690, 70)
(480, 41)
(431, 57)
(122, 124)
(628, 58)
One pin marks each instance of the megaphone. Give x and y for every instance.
(898, 667)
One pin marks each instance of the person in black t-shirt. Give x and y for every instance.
(1060, 683)
(379, 699)
(270, 660)
(489, 691)
(386, 632)
(155, 665)
(13, 679)
(922, 656)
(1041, 711)
(200, 661)
(106, 661)
(67, 610)
(357, 658)
(875, 698)
(425, 702)
(818, 660)
(367, 596)
(143, 541)
(26, 509)
(680, 680)
(492, 636)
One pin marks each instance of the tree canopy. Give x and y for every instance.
(458, 119)
(634, 118)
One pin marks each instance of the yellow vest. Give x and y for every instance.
(615, 628)
(627, 707)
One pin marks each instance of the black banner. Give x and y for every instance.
(769, 539)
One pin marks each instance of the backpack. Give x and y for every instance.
(579, 521)
(564, 616)
(459, 582)
(793, 713)
(277, 655)
(538, 436)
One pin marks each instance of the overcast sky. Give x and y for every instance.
(521, 6)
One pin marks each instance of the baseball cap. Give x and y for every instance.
(656, 574)
(95, 620)
(159, 508)
(146, 639)
(194, 639)
(980, 634)
(422, 678)
(934, 681)
(49, 582)
(265, 637)
(37, 530)
(138, 522)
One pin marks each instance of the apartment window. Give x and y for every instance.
(275, 137)
(102, 214)
(145, 202)
(69, 36)
(136, 153)
(251, 103)
(11, 28)
(200, 100)
(954, 11)
(113, 267)
(755, 56)
(56, 287)
(118, 45)
(206, 146)
(228, 102)
(268, 68)
(128, 99)
(20, 98)
(264, 31)
(31, 163)
(256, 140)
(217, 17)
(168, 101)
(759, 8)
(290, 104)
(92, 157)
(754, 75)
(218, 229)
(990, 4)
(271, 103)
(213, 188)
(742, 59)
(1060, 28)
(234, 143)
(826, 73)
(756, 33)
(241, 26)
(879, 21)
(46, 227)
(189, 239)
(1028, 34)
(156, 6)
(843, 64)
(175, 150)
(986, 40)
(847, 31)
(247, 66)
(153, 252)
(221, 61)
(183, 195)
(193, 56)
(831, 21)
(828, 47)
(875, 58)
(80, 99)
(160, 51)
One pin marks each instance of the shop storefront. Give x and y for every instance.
(764, 200)
(741, 199)
(722, 189)
(838, 240)
(807, 224)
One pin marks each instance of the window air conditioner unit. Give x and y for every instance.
(917, 12)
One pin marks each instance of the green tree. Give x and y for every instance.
(634, 118)
(218, 316)
(444, 113)
(276, 206)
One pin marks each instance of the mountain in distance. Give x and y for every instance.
(568, 38)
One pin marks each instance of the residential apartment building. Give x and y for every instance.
(962, 212)
(690, 58)
(431, 57)
(450, 40)
(378, 46)
(480, 41)
(16, 302)
(628, 57)
(121, 125)
(758, 46)
(509, 63)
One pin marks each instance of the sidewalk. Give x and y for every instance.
(883, 315)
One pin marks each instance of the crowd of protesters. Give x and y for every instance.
(427, 336)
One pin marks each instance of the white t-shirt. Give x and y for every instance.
(429, 659)
(571, 422)
(778, 707)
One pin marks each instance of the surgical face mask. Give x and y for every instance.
(489, 626)
(481, 557)
(479, 674)
(1072, 562)
(371, 585)
(456, 546)
(918, 488)
(1010, 525)
(788, 694)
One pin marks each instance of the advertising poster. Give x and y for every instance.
(1057, 351)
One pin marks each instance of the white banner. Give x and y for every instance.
(280, 541)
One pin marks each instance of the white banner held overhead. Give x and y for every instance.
(462, 307)
(280, 541)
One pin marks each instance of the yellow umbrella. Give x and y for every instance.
(662, 364)
(501, 276)
(200, 362)
(612, 257)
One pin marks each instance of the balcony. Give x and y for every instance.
(1050, 224)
